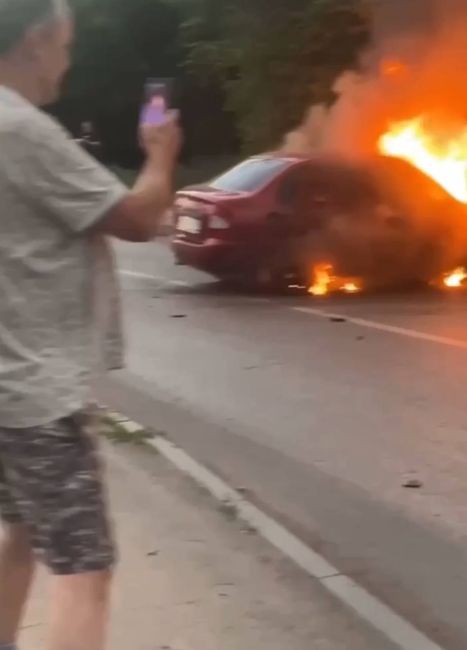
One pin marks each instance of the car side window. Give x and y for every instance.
(318, 198)
(314, 194)
(288, 191)
(303, 201)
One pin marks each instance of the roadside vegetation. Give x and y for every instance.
(246, 71)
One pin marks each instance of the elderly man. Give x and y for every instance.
(58, 327)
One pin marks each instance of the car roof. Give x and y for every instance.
(291, 158)
(376, 166)
(319, 160)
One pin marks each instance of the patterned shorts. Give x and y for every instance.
(51, 481)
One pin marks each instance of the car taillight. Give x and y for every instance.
(218, 223)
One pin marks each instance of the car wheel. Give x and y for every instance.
(257, 279)
(266, 279)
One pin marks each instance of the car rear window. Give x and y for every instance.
(249, 176)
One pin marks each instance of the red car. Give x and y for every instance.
(268, 219)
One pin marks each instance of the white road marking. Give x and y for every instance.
(383, 327)
(373, 611)
(155, 278)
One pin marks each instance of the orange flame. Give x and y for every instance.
(325, 281)
(455, 279)
(323, 277)
(351, 287)
(443, 160)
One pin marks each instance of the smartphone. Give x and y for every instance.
(156, 101)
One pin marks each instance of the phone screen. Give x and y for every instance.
(156, 102)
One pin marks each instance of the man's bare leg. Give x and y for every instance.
(16, 572)
(79, 610)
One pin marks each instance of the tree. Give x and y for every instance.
(246, 68)
(120, 43)
(274, 58)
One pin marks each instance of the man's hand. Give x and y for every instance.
(162, 142)
(138, 215)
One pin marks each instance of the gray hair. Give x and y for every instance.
(18, 16)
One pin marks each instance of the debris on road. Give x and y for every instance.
(413, 484)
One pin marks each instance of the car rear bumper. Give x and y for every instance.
(214, 256)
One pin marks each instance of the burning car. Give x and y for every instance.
(278, 220)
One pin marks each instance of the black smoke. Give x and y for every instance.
(416, 66)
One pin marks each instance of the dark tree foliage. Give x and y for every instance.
(274, 58)
(119, 44)
(245, 70)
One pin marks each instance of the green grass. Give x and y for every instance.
(117, 434)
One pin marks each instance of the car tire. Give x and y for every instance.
(266, 280)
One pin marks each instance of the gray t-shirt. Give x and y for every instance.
(59, 312)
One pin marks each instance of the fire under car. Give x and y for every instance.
(272, 220)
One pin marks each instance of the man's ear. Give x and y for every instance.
(33, 42)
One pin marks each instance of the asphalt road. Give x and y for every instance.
(321, 419)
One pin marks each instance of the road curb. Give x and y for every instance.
(345, 589)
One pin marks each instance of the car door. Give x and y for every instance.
(298, 211)
(308, 198)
